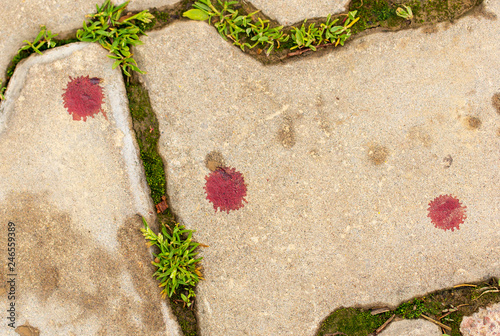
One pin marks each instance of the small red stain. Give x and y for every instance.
(226, 189)
(446, 212)
(83, 97)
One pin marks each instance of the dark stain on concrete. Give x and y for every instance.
(480, 12)
(214, 160)
(137, 260)
(418, 135)
(58, 260)
(447, 161)
(322, 116)
(377, 154)
(472, 123)
(286, 133)
(50, 281)
(495, 101)
(430, 29)
(27, 330)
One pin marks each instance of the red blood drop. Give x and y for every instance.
(226, 189)
(83, 98)
(446, 212)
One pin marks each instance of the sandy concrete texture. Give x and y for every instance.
(288, 12)
(342, 154)
(74, 191)
(412, 328)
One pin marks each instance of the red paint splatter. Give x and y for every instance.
(446, 212)
(226, 189)
(83, 97)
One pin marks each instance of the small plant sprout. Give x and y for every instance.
(178, 268)
(44, 38)
(405, 13)
(312, 37)
(228, 22)
(2, 90)
(267, 35)
(115, 33)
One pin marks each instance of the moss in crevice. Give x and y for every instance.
(147, 133)
(382, 13)
(459, 302)
(352, 322)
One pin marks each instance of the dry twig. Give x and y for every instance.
(464, 285)
(386, 323)
(436, 322)
(488, 291)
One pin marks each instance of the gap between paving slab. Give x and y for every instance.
(74, 190)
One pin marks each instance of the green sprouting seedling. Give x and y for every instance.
(116, 33)
(2, 90)
(226, 20)
(177, 265)
(266, 35)
(312, 37)
(232, 25)
(405, 13)
(305, 38)
(44, 38)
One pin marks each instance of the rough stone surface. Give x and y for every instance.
(75, 192)
(341, 154)
(138, 5)
(484, 322)
(287, 12)
(411, 328)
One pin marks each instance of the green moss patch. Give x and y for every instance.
(382, 13)
(352, 322)
(447, 306)
(147, 133)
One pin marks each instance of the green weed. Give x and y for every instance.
(249, 31)
(44, 38)
(311, 37)
(116, 33)
(405, 13)
(352, 322)
(177, 266)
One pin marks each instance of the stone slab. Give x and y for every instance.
(139, 5)
(342, 154)
(74, 191)
(412, 328)
(288, 12)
